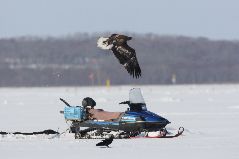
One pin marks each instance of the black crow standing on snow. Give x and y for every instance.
(122, 51)
(106, 142)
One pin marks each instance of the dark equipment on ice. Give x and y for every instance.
(92, 123)
(106, 142)
(88, 102)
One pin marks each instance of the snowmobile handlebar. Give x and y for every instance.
(125, 102)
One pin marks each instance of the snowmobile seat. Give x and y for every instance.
(100, 114)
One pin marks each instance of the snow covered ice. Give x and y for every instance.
(209, 114)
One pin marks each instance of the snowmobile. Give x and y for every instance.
(89, 123)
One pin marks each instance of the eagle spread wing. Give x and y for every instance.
(127, 57)
(124, 53)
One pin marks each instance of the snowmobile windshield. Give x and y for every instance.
(135, 96)
(136, 100)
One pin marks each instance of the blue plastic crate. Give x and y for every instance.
(74, 113)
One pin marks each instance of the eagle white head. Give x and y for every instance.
(102, 44)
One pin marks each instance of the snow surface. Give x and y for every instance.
(209, 114)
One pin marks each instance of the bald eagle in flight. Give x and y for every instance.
(122, 51)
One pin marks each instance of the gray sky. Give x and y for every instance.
(216, 19)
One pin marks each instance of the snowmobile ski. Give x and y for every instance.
(163, 134)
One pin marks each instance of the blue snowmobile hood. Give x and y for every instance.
(147, 116)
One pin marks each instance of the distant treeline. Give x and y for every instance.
(75, 60)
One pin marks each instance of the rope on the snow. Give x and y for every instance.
(59, 134)
(47, 132)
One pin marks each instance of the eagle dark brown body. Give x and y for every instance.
(124, 53)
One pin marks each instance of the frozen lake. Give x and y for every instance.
(209, 114)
